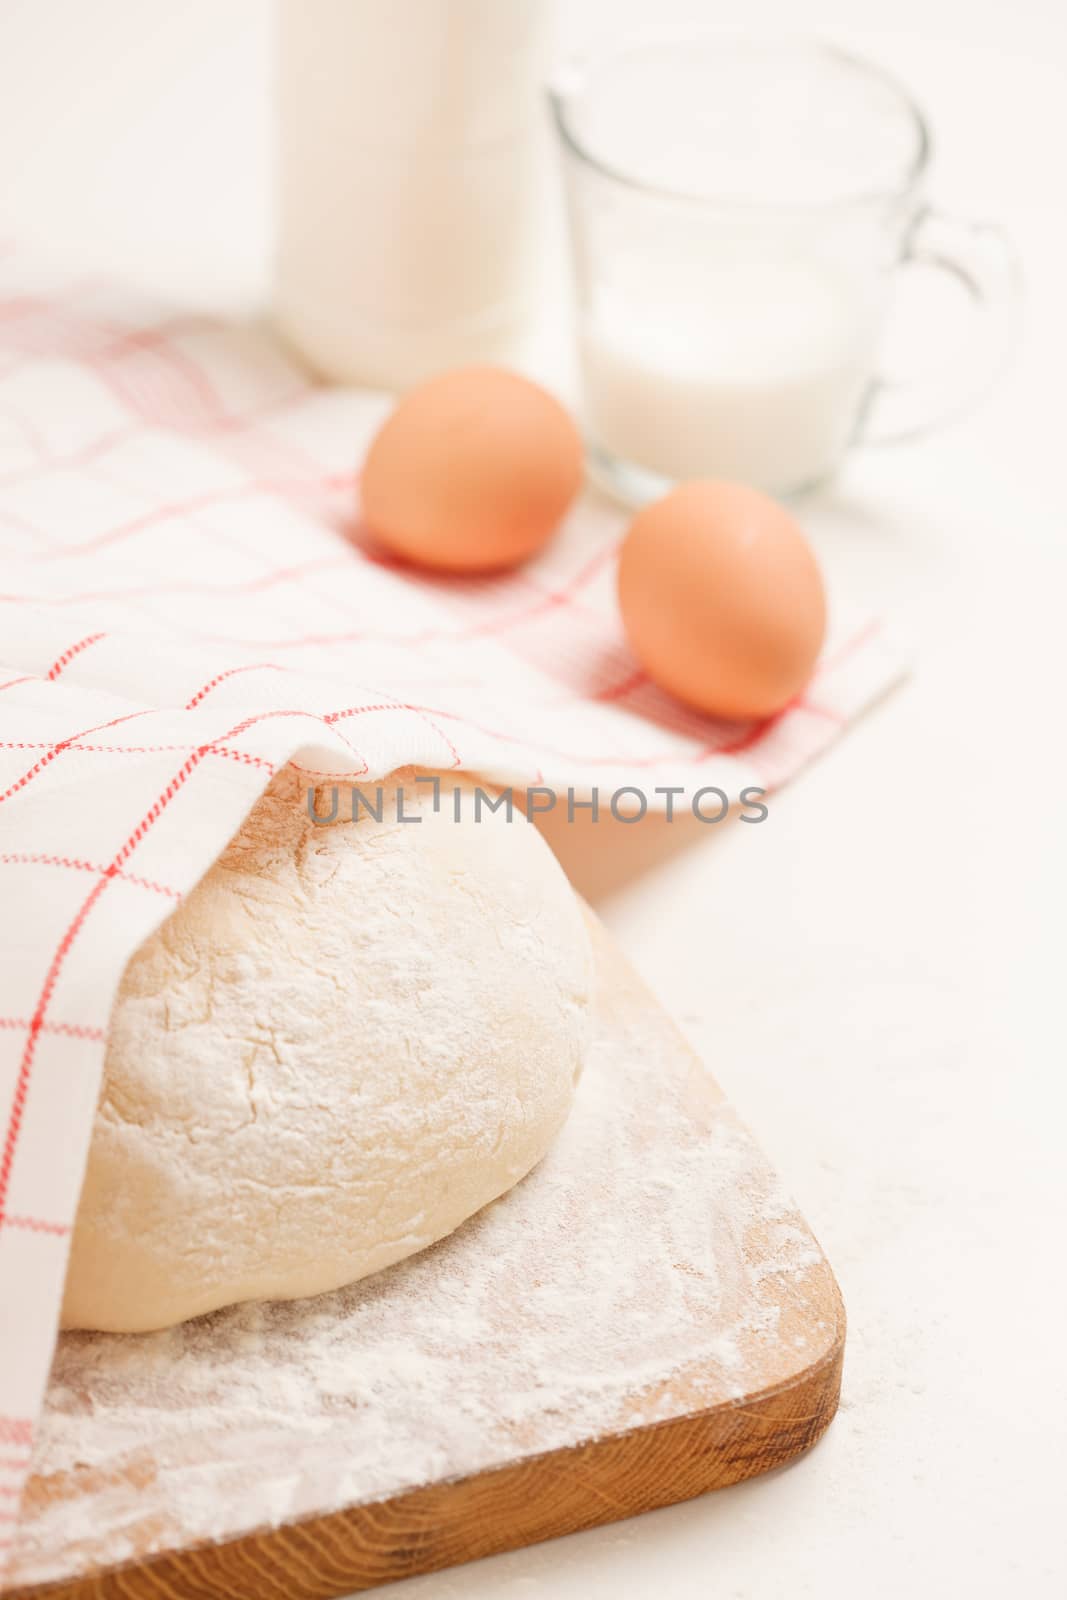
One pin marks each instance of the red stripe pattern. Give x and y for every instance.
(180, 549)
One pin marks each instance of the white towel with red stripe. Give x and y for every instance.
(186, 604)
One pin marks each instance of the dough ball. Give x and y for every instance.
(345, 1041)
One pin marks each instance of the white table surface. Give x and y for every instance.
(875, 975)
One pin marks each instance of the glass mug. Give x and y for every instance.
(739, 208)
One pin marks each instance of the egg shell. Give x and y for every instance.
(472, 472)
(722, 599)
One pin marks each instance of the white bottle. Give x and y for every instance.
(409, 141)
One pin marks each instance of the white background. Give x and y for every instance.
(875, 975)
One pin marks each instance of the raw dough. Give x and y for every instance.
(346, 1040)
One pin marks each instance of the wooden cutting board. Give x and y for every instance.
(645, 1318)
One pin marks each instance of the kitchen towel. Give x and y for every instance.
(187, 602)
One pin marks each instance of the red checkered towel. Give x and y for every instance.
(185, 605)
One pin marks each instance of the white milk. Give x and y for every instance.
(408, 144)
(758, 375)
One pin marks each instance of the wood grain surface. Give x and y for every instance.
(539, 1495)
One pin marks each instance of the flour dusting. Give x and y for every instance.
(649, 1267)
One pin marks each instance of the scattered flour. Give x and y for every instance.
(648, 1267)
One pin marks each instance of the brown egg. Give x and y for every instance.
(472, 472)
(722, 599)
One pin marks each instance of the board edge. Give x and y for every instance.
(549, 1494)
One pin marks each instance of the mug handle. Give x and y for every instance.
(981, 260)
